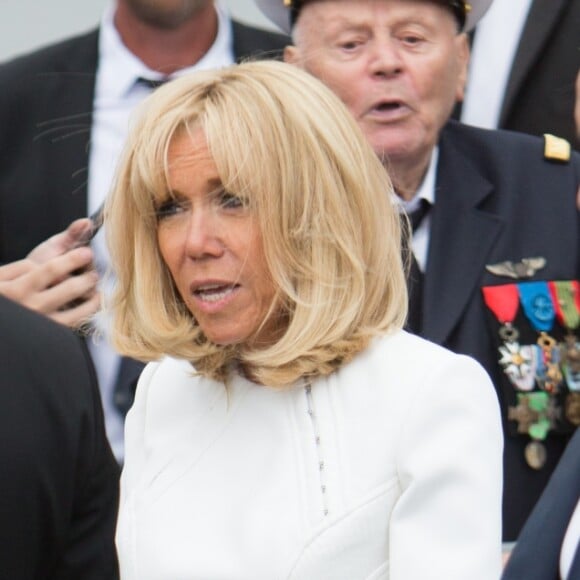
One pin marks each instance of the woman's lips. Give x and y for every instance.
(213, 296)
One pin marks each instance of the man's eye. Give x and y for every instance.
(349, 45)
(411, 40)
(229, 200)
(168, 208)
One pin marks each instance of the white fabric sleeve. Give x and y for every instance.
(447, 522)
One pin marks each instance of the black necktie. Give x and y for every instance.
(414, 275)
(151, 83)
(416, 216)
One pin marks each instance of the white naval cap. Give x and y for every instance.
(280, 11)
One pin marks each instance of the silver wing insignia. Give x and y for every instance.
(518, 270)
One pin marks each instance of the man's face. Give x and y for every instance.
(166, 14)
(399, 65)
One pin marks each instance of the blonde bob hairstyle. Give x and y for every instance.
(323, 201)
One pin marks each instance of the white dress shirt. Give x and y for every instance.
(116, 96)
(420, 242)
(388, 469)
(496, 40)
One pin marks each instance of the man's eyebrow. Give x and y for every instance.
(346, 25)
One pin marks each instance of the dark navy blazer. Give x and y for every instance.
(537, 552)
(59, 487)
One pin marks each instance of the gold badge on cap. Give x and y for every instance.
(556, 148)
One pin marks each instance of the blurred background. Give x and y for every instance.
(29, 24)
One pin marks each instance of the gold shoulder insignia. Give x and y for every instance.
(556, 148)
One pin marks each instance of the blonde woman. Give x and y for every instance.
(286, 426)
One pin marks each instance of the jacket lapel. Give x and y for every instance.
(60, 112)
(541, 20)
(67, 129)
(461, 238)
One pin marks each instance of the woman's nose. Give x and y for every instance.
(204, 235)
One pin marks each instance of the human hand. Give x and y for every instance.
(63, 286)
(77, 234)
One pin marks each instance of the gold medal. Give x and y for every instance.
(535, 454)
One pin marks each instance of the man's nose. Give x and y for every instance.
(385, 59)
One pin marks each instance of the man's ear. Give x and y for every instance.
(292, 55)
(463, 54)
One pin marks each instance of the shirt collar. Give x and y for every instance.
(119, 68)
(427, 188)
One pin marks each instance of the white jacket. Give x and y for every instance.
(390, 468)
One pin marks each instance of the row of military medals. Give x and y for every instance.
(546, 372)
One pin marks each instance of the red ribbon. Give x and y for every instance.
(503, 301)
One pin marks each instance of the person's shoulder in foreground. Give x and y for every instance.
(59, 488)
(547, 547)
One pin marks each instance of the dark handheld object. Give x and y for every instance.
(97, 219)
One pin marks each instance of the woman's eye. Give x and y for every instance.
(230, 201)
(169, 208)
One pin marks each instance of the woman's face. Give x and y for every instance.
(212, 245)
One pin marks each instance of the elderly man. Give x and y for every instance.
(498, 212)
(64, 113)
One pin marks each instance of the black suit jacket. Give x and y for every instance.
(539, 97)
(59, 483)
(46, 101)
(497, 199)
(537, 553)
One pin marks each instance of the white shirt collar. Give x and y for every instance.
(427, 188)
(119, 68)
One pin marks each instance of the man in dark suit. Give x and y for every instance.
(548, 530)
(59, 483)
(64, 112)
(538, 96)
(497, 207)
